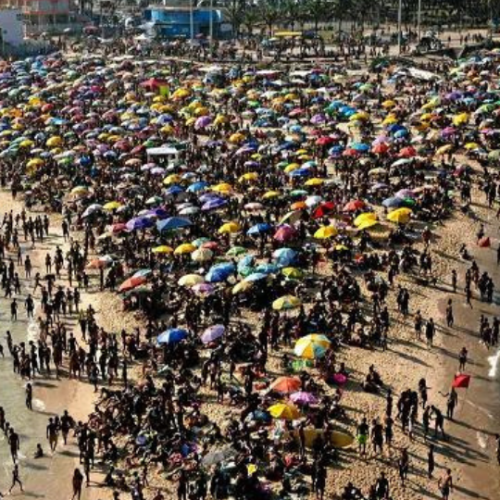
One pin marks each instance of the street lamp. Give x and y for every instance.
(191, 19)
(399, 25)
(419, 18)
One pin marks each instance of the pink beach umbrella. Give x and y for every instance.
(303, 398)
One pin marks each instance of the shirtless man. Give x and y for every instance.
(446, 484)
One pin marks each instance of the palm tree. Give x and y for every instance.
(271, 12)
(318, 10)
(251, 18)
(295, 12)
(234, 12)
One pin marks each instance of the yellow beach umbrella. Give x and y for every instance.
(162, 249)
(292, 273)
(80, 190)
(364, 217)
(444, 149)
(35, 162)
(286, 303)
(388, 104)
(229, 228)
(460, 119)
(184, 248)
(54, 141)
(172, 179)
(191, 280)
(236, 138)
(112, 205)
(291, 167)
(315, 181)
(242, 286)
(325, 232)
(223, 188)
(249, 177)
(367, 224)
(284, 411)
(400, 216)
(271, 194)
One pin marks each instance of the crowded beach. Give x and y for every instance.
(235, 259)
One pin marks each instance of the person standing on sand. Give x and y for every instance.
(462, 359)
(77, 484)
(16, 479)
(362, 436)
(430, 461)
(29, 396)
(445, 485)
(450, 320)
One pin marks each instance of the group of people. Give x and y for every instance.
(256, 222)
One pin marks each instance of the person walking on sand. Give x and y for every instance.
(430, 461)
(16, 479)
(52, 434)
(450, 320)
(430, 330)
(445, 485)
(362, 436)
(462, 359)
(77, 484)
(29, 396)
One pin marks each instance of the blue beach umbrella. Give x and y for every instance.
(172, 336)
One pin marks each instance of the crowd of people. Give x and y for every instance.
(257, 221)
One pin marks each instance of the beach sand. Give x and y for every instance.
(468, 453)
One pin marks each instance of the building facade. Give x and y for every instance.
(50, 16)
(174, 22)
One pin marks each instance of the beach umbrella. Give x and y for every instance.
(285, 385)
(112, 205)
(260, 228)
(139, 223)
(190, 280)
(163, 249)
(393, 202)
(203, 288)
(214, 204)
(172, 336)
(173, 223)
(184, 249)
(325, 232)
(103, 261)
(92, 209)
(353, 206)
(304, 398)
(235, 251)
(367, 224)
(256, 277)
(218, 456)
(400, 216)
(285, 233)
(242, 286)
(132, 283)
(285, 303)
(364, 217)
(292, 273)
(284, 411)
(312, 346)
(202, 255)
(213, 333)
(229, 228)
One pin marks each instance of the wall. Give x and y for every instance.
(11, 25)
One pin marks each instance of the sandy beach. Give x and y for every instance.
(469, 453)
(188, 288)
